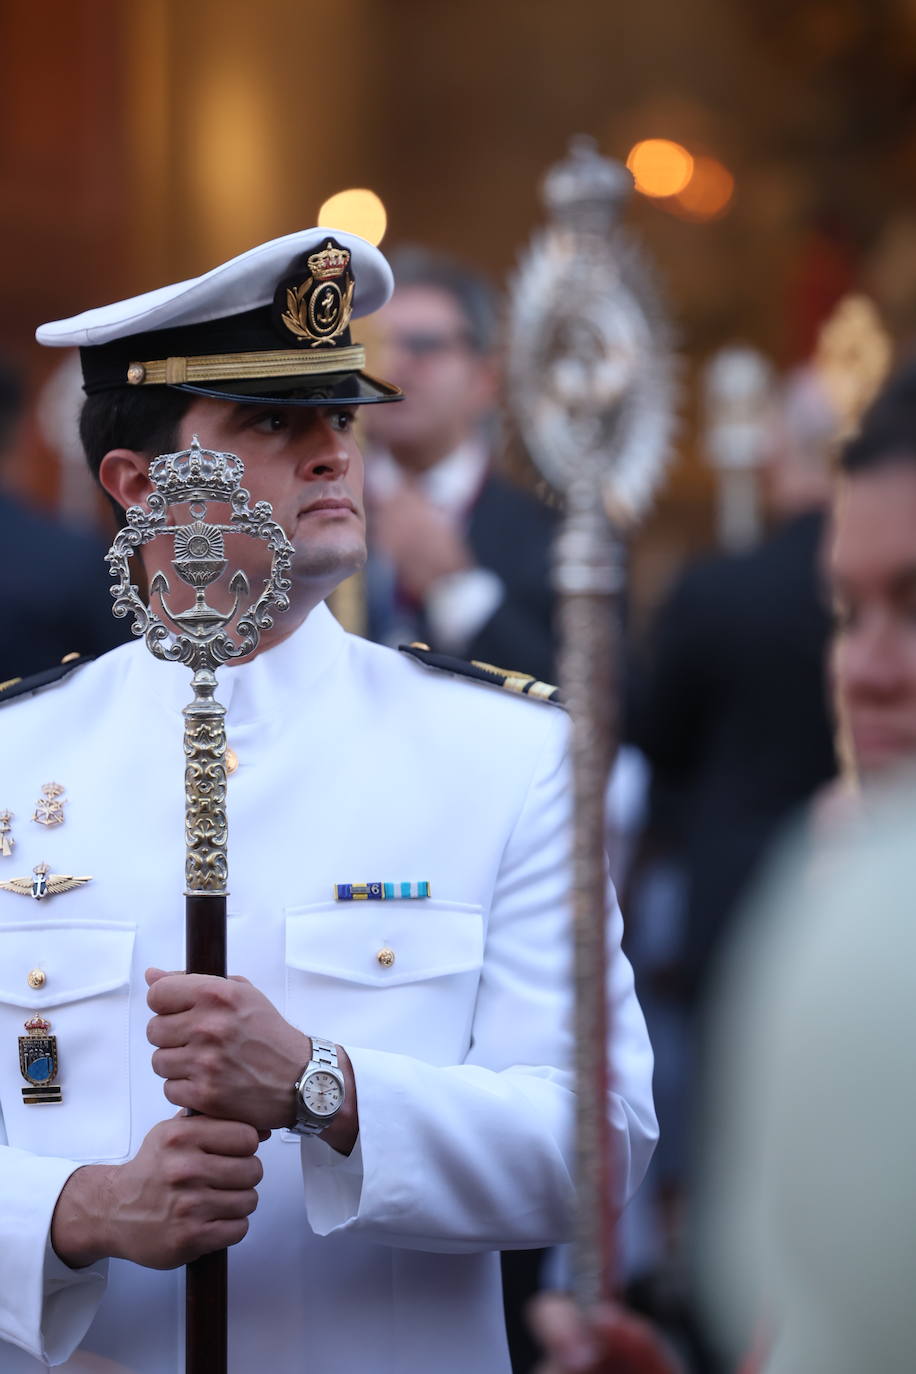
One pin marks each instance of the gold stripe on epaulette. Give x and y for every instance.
(522, 683)
(513, 683)
(542, 690)
(10, 682)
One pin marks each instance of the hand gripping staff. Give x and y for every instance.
(203, 637)
(590, 390)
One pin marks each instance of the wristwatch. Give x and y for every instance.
(320, 1089)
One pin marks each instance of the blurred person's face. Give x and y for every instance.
(426, 349)
(873, 579)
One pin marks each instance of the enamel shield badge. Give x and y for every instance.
(38, 1063)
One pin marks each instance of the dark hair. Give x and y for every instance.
(472, 293)
(888, 432)
(144, 419)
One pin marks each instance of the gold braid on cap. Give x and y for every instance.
(237, 367)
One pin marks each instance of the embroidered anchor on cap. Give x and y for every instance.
(38, 1063)
(381, 892)
(318, 310)
(44, 883)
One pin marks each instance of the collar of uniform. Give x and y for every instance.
(258, 694)
(452, 485)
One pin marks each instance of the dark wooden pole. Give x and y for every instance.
(206, 833)
(206, 1314)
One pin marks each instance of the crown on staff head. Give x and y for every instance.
(196, 473)
(329, 261)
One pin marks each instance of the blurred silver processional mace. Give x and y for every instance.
(590, 391)
(191, 491)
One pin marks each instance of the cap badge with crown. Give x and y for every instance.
(318, 310)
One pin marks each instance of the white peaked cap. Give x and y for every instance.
(269, 325)
(243, 283)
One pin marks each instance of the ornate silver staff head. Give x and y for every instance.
(201, 636)
(590, 370)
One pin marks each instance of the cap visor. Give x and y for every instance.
(333, 388)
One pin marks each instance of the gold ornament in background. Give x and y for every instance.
(852, 359)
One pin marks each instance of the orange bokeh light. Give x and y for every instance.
(358, 211)
(660, 167)
(709, 191)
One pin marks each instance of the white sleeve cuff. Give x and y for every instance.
(46, 1308)
(71, 1299)
(461, 604)
(333, 1184)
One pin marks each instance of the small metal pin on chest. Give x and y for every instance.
(43, 883)
(49, 809)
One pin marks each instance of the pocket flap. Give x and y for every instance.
(77, 959)
(415, 940)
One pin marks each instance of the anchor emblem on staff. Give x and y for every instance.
(203, 637)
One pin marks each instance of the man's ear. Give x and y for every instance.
(125, 476)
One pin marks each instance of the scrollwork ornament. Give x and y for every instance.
(202, 636)
(591, 373)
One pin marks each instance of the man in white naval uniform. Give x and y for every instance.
(373, 1244)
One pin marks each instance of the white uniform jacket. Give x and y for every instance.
(355, 765)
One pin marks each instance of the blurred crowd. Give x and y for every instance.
(774, 695)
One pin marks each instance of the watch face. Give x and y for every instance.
(321, 1093)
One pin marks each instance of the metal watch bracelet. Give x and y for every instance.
(324, 1056)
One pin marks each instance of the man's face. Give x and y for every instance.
(873, 577)
(425, 348)
(303, 460)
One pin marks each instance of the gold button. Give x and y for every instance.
(37, 978)
(385, 957)
(136, 374)
(232, 761)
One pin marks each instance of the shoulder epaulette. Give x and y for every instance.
(521, 683)
(24, 686)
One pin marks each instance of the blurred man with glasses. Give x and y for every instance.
(460, 555)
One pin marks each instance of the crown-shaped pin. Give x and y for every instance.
(37, 1025)
(196, 474)
(329, 261)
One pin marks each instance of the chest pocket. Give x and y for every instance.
(85, 996)
(398, 976)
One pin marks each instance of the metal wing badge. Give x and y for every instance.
(43, 883)
(591, 393)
